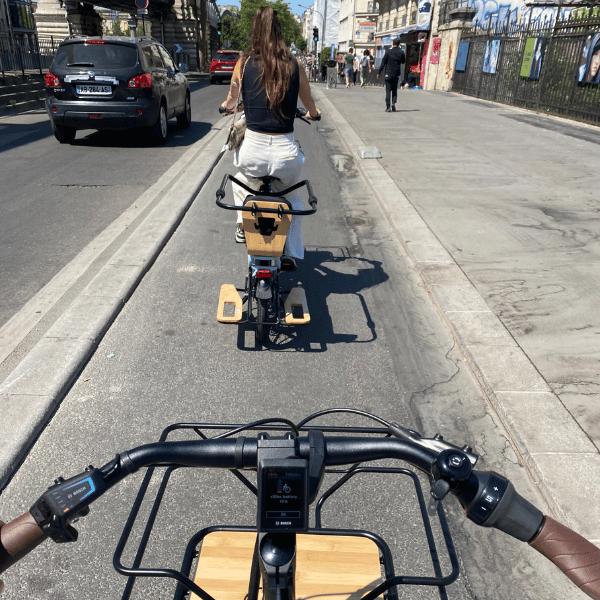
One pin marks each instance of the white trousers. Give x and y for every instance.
(278, 156)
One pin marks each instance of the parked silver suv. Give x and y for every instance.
(115, 83)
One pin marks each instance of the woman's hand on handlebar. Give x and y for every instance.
(315, 118)
(224, 109)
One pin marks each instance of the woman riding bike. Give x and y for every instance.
(271, 80)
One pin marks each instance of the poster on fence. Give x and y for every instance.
(589, 65)
(461, 57)
(490, 59)
(533, 57)
(434, 59)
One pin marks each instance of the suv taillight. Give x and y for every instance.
(51, 80)
(140, 81)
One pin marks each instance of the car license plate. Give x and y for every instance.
(93, 89)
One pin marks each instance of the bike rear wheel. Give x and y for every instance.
(262, 311)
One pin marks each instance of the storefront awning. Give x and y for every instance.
(402, 34)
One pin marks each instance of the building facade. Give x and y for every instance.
(358, 25)
(189, 24)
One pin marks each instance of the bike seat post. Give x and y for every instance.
(266, 187)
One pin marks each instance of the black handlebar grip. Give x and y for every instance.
(222, 110)
(516, 516)
(577, 558)
(18, 538)
(490, 500)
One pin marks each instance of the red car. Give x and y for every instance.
(221, 66)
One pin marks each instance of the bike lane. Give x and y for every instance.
(497, 209)
(375, 343)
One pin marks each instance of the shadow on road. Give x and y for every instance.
(325, 273)
(13, 135)
(136, 138)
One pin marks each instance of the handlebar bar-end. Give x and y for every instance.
(577, 558)
(18, 538)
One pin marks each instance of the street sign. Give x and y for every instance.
(142, 11)
(177, 49)
(141, 4)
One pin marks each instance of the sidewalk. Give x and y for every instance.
(497, 208)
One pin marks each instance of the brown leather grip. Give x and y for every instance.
(577, 558)
(18, 538)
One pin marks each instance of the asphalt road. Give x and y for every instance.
(375, 343)
(62, 197)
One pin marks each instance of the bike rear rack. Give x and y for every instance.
(185, 584)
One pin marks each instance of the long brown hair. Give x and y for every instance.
(274, 59)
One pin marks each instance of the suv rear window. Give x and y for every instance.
(227, 57)
(99, 56)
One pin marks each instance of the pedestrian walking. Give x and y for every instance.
(365, 67)
(349, 66)
(391, 63)
(356, 74)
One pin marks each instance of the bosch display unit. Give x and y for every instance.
(282, 495)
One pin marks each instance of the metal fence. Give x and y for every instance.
(23, 53)
(501, 66)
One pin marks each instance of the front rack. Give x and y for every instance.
(185, 584)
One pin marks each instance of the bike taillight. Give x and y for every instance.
(140, 82)
(264, 274)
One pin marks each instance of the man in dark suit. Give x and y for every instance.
(392, 63)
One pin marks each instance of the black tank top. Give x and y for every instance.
(259, 117)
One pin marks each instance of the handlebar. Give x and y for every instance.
(282, 208)
(488, 499)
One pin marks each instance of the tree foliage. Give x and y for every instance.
(116, 28)
(231, 30)
(292, 30)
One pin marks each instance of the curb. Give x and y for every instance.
(35, 388)
(557, 454)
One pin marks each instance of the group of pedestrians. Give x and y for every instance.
(354, 67)
(391, 67)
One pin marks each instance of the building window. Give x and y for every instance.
(403, 23)
(21, 16)
(413, 17)
(387, 24)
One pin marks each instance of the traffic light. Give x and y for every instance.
(219, 28)
(316, 34)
